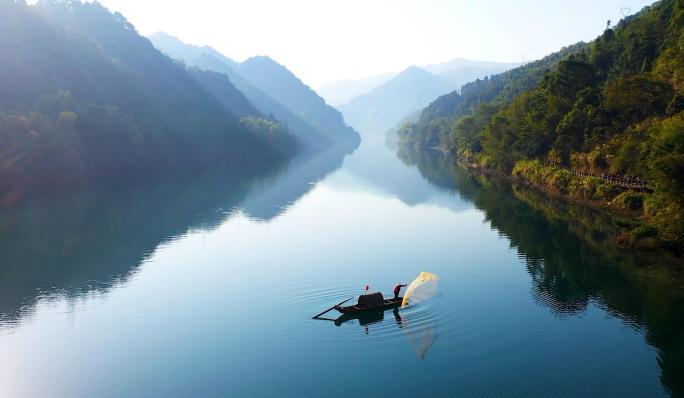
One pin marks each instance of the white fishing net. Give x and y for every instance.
(421, 289)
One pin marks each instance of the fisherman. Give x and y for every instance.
(397, 289)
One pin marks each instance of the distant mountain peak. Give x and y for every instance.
(459, 62)
(165, 38)
(265, 67)
(413, 78)
(415, 72)
(187, 52)
(264, 60)
(340, 92)
(380, 109)
(260, 58)
(161, 34)
(414, 69)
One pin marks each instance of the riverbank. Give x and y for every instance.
(635, 215)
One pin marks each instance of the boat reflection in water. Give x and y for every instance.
(420, 334)
(366, 318)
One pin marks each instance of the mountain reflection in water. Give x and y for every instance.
(94, 239)
(531, 285)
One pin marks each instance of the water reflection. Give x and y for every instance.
(273, 196)
(92, 240)
(71, 245)
(420, 336)
(314, 254)
(377, 168)
(419, 325)
(571, 256)
(364, 318)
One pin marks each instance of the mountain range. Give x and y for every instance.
(458, 72)
(383, 107)
(271, 88)
(340, 92)
(85, 99)
(377, 104)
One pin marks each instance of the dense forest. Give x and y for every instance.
(586, 122)
(85, 99)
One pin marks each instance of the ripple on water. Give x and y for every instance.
(432, 315)
(422, 326)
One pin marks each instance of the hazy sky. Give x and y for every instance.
(321, 41)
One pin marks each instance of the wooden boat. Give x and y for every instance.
(370, 302)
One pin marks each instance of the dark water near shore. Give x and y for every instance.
(206, 286)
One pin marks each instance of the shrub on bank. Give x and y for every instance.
(658, 217)
(558, 180)
(630, 200)
(667, 216)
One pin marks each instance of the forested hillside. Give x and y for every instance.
(84, 98)
(223, 90)
(584, 122)
(305, 122)
(211, 61)
(283, 86)
(482, 95)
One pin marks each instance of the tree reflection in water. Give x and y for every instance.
(71, 245)
(571, 255)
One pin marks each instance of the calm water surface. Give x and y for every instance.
(206, 287)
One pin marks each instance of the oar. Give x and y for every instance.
(333, 307)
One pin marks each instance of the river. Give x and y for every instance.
(206, 287)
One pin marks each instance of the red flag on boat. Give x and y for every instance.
(366, 287)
